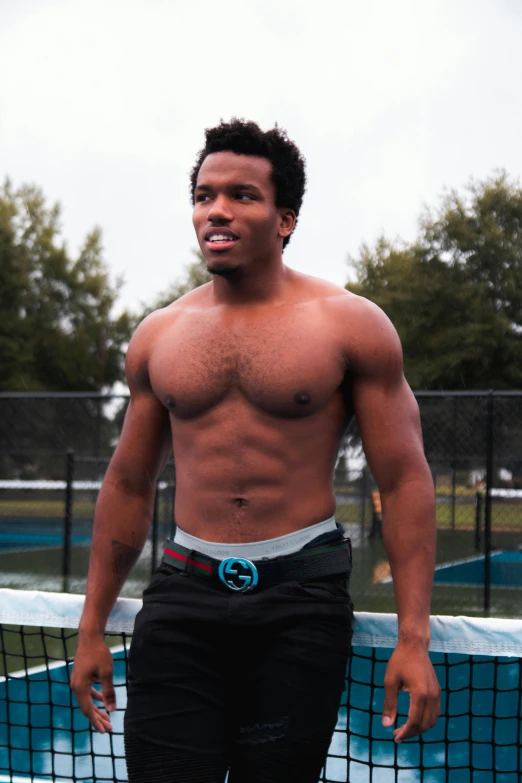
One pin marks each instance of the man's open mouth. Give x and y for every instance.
(220, 240)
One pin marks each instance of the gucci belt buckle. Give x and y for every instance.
(238, 574)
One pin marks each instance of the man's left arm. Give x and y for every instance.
(389, 422)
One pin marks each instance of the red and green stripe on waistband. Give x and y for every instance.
(183, 558)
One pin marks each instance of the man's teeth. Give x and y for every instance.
(220, 238)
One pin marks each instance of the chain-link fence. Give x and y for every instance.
(473, 446)
(54, 450)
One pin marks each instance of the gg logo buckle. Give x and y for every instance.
(238, 574)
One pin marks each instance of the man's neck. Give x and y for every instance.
(251, 288)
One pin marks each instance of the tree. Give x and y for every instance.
(455, 294)
(57, 330)
(196, 274)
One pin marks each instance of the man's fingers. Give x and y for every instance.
(419, 722)
(98, 717)
(84, 699)
(100, 720)
(410, 669)
(391, 695)
(413, 725)
(109, 694)
(93, 664)
(431, 713)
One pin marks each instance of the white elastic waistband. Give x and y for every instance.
(256, 550)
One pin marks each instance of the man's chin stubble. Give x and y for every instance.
(230, 272)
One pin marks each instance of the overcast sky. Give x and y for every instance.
(103, 104)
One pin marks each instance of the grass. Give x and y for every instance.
(504, 517)
(44, 509)
(461, 490)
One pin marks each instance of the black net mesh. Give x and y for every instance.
(478, 737)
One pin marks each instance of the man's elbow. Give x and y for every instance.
(130, 483)
(408, 478)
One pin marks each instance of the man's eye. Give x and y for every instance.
(244, 195)
(202, 197)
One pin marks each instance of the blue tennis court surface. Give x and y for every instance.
(505, 570)
(21, 534)
(41, 718)
(481, 727)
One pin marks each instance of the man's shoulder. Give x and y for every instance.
(165, 316)
(337, 297)
(368, 338)
(157, 323)
(351, 314)
(318, 287)
(196, 297)
(341, 302)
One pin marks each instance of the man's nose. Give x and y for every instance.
(220, 210)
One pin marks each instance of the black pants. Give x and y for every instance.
(247, 682)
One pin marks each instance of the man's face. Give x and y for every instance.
(235, 216)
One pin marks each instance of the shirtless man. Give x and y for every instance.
(252, 380)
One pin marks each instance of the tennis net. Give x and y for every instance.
(477, 739)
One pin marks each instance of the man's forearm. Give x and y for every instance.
(409, 533)
(121, 524)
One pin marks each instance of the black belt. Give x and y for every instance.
(241, 575)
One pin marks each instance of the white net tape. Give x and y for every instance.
(466, 635)
(53, 485)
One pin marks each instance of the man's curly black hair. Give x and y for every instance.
(247, 138)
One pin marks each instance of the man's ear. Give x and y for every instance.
(287, 224)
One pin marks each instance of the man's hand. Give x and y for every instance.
(410, 669)
(93, 663)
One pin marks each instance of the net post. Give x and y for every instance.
(67, 520)
(154, 540)
(488, 498)
(478, 514)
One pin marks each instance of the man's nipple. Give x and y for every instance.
(302, 398)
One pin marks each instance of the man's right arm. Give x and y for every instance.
(121, 524)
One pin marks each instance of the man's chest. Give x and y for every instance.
(284, 365)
